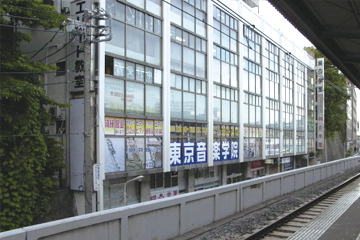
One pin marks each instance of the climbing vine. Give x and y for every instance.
(28, 158)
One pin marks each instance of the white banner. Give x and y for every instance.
(320, 101)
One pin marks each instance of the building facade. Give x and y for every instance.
(189, 94)
(351, 123)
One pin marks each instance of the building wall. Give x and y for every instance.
(191, 96)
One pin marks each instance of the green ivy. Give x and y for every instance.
(28, 159)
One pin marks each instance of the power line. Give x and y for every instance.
(71, 40)
(27, 28)
(64, 57)
(14, 73)
(62, 24)
(25, 8)
(39, 135)
(26, 18)
(34, 85)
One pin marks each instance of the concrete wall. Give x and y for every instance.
(170, 217)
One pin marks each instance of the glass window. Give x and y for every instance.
(154, 6)
(119, 68)
(149, 23)
(117, 43)
(176, 12)
(217, 110)
(130, 70)
(189, 61)
(176, 57)
(153, 100)
(140, 19)
(138, 3)
(225, 73)
(176, 104)
(130, 15)
(114, 96)
(188, 17)
(225, 110)
(189, 106)
(135, 43)
(200, 65)
(153, 49)
(157, 26)
(201, 107)
(216, 70)
(140, 72)
(134, 98)
(234, 112)
(135, 154)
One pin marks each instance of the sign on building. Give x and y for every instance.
(320, 101)
(78, 34)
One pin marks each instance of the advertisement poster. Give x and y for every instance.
(140, 127)
(109, 126)
(119, 124)
(114, 155)
(135, 154)
(158, 127)
(149, 127)
(130, 127)
(164, 193)
(153, 153)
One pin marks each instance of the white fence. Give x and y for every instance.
(171, 217)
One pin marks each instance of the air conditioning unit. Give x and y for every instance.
(56, 112)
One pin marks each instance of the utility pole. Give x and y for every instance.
(88, 117)
(101, 33)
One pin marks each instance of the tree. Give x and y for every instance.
(336, 97)
(28, 158)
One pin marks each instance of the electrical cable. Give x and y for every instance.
(14, 73)
(32, 9)
(62, 24)
(27, 28)
(58, 50)
(34, 85)
(38, 135)
(26, 18)
(64, 57)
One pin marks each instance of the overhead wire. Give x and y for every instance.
(27, 28)
(14, 73)
(58, 50)
(34, 85)
(238, 41)
(39, 135)
(217, 3)
(32, 9)
(62, 24)
(64, 57)
(32, 19)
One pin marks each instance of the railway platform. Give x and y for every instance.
(341, 221)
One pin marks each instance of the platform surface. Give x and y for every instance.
(341, 221)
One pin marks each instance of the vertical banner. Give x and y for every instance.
(77, 75)
(76, 145)
(320, 102)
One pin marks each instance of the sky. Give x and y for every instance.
(271, 15)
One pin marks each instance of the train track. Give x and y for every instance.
(287, 225)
